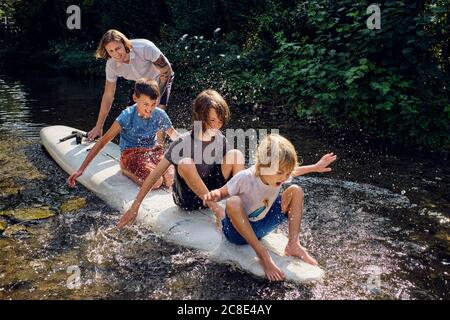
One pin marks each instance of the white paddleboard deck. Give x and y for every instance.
(158, 212)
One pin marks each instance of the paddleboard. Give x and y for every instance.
(158, 212)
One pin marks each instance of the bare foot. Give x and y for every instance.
(296, 250)
(273, 273)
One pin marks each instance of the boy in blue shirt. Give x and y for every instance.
(137, 125)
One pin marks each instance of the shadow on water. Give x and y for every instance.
(379, 224)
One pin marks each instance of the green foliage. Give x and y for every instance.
(75, 57)
(377, 80)
(317, 57)
(202, 17)
(202, 63)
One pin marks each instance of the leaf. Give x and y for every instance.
(28, 214)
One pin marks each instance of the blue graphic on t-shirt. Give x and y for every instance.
(260, 210)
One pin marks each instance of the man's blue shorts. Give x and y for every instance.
(261, 227)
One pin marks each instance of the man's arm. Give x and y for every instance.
(165, 70)
(105, 106)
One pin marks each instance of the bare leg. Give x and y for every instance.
(240, 222)
(292, 204)
(233, 162)
(187, 170)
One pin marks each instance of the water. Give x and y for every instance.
(378, 224)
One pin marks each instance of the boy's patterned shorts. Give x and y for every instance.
(142, 161)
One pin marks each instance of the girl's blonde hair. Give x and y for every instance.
(110, 36)
(277, 153)
(206, 100)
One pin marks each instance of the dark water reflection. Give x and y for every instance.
(379, 224)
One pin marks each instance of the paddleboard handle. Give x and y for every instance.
(75, 134)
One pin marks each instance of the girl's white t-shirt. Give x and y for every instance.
(256, 196)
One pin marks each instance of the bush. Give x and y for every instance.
(315, 58)
(77, 58)
(201, 63)
(377, 80)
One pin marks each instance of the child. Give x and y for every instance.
(194, 177)
(137, 125)
(255, 206)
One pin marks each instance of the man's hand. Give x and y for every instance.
(72, 180)
(94, 133)
(322, 165)
(127, 218)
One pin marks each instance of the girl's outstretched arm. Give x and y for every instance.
(173, 134)
(131, 214)
(105, 106)
(214, 196)
(320, 166)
